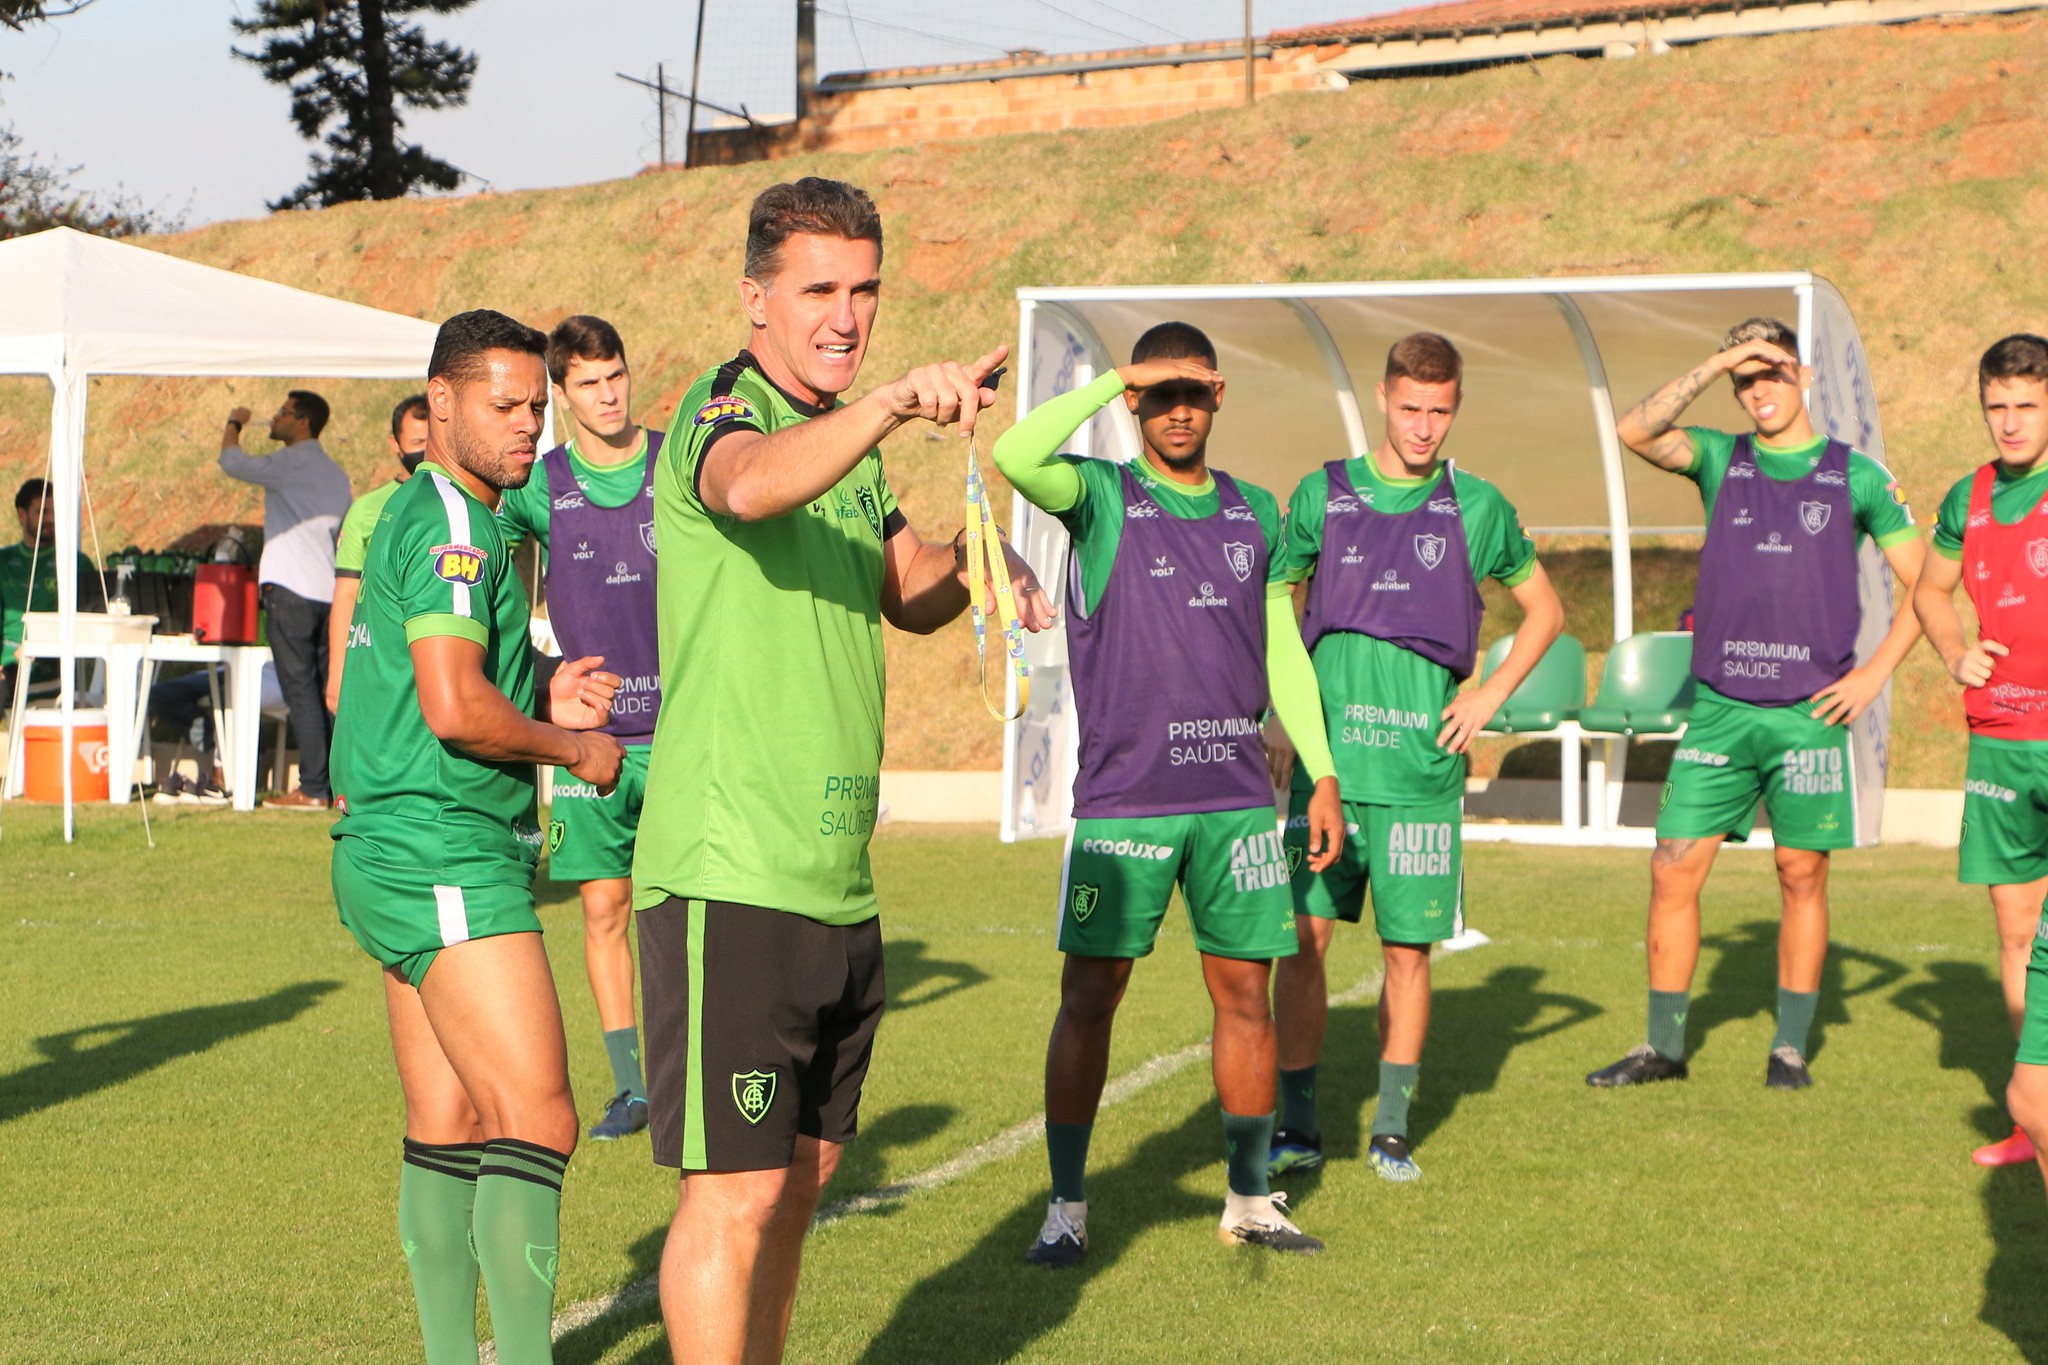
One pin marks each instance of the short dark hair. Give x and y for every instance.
(312, 407)
(1425, 358)
(2019, 356)
(1773, 330)
(29, 492)
(417, 403)
(581, 337)
(460, 345)
(1174, 341)
(821, 207)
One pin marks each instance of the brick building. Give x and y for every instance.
(1032, 92)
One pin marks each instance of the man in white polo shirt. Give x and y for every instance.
(305, 496)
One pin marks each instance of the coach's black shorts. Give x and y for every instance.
(759, 1027)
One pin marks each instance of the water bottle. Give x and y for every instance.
(122, 602)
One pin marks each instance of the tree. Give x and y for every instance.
(19, 14)
(349, 65)
(35, 195)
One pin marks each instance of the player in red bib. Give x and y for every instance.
(1992, 537)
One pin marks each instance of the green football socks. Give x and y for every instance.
(1247, 1139)
(1667, 1022)
(1795, 1019)
(517, 1230)
(436, 1193)
(1298, 1101)
(1066, 1150)
(622, 1045)
(1397, 1088)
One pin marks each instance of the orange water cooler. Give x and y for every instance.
(42, 756)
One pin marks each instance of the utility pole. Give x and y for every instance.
(696, 71)
(663, 92)
(661, 109)
(1250, 93)
(806, 58)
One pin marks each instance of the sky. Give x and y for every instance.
(144, 95)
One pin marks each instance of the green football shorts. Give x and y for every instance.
(1412, 857)
(1733, 753)
(590, 837)
(404, 921)
(2034, 1031)
(2005, 813)
(1229, 865)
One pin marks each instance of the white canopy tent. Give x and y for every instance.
(1547, 361)
(80, 305)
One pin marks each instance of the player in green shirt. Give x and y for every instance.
(590, 837)
(2004, 846)
(1150, 815)
(434, 854)
(1393, 546)
(352, 547)
(37, 513)
(1794, 754)
(782, 552)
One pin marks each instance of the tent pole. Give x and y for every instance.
(1340, 376)
(67, 468)
(1619, 548)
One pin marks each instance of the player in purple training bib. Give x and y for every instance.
(1774, 653)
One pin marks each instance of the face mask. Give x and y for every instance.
(412, 462)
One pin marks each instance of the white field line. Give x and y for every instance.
(1004, 1144)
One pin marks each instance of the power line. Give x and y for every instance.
(1100, 28)
(1177, 37)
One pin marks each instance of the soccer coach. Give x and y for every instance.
(781, 553)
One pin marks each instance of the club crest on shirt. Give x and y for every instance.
(1239, 555)
(1430, 550)
(2037, 557)
(458, 563)
(1814, 516)
(647, 536)
(726, 407)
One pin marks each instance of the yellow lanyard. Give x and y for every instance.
(988, 574)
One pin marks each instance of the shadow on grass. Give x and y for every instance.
(1744, 981)
(915, 979)
(1472, 1031)
(1962, 1002)
(861, 1168)
(990, 1305)
(85, 1060)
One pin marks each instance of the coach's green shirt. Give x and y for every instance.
(1384, 704)
(352, 547)
(767, 758)
(525, 511)
(2012, 497)
(437, 565)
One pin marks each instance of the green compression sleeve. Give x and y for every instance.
(1291, 678)
(1028, 453)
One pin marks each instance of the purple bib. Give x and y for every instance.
(1169, 671)
(601, 589)
(1402, 577)
(1776, 616)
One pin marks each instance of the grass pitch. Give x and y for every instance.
(200, 1125)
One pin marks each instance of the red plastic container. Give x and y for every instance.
(224, 604)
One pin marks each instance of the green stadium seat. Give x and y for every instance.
(1553, 693)
(1646, 692)
(1646, 687)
